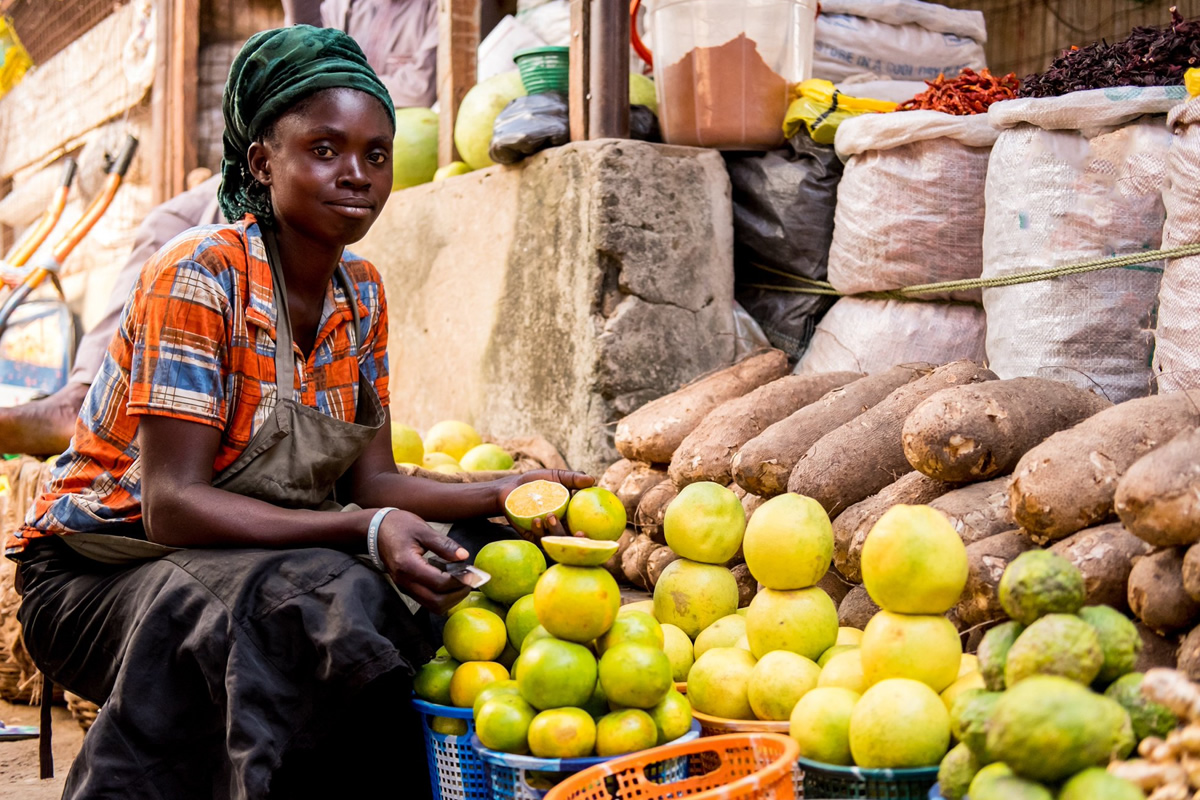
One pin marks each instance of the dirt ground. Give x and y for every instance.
(19, 759)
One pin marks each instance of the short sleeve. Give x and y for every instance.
(178, 331)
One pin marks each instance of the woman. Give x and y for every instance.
(188, 566)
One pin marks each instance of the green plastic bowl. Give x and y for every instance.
(544, 69)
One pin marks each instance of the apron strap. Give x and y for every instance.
(285, 364)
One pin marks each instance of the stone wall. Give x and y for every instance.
(556, 296)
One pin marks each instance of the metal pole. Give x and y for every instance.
(608, 111)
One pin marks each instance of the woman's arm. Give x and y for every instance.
(181, 508)
(374, 481)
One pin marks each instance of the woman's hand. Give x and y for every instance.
(552, 525)
(403, 540)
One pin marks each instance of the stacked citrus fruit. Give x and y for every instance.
(587, 680)
(448, 446)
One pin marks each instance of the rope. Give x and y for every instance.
(1136, 260)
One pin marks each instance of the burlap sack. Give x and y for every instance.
(1071, 179)
(1177, 338)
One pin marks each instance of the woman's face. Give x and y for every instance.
(328, 165)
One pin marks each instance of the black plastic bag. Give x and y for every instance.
(783, 204)
(643, 124)
(529, 125)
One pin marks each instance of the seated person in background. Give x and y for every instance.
(399, 38)
(45, 427)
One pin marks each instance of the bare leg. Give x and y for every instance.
(43, 427)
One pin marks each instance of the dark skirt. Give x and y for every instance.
(231, 673)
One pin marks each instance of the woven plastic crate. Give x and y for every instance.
(749, 766)
(827, 780)
(529, 778)
(455, 768)
(543, 69)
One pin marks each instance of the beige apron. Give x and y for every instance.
(295, 458)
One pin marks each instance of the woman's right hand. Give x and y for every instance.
(403, 540)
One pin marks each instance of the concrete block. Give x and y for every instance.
(556, 296)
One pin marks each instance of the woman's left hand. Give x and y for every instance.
(552, 525)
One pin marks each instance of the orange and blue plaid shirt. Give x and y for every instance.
(197, 342)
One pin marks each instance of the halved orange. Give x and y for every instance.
(576, 551)
(536, 500)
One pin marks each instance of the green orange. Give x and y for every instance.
(495, 690)
(432, 682)
(577, 603)
(625, 731)
(597, 513)
(470, 678)
(555, 674)
(562, 733)
(520, 621)
(632, 627)
(515, 566)
(635, 675)
(672, 716)
(475, 634)
(503, 724)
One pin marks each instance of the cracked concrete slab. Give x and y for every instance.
(558, 295)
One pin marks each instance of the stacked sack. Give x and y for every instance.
(910, 211)
(1074, 178)
(1177, 338)
(904, 40)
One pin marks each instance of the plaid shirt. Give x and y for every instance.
(197, 342)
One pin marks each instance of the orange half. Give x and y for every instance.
(536, 500)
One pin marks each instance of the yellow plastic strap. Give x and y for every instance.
(1191, 79)
(16, 60)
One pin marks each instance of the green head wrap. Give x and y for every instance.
(275, 70)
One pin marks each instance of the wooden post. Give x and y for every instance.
(458, 44)
(608, 111)
(580, 69)
(173, 100)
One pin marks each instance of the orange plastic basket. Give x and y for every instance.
(718, 726)
(747, 766)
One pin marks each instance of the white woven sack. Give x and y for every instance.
(898, 39)
(862, 335)
(1177, 339)
(1076, 178)
(910, 203)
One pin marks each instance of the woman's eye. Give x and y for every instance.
(378, 158)
(322, 151)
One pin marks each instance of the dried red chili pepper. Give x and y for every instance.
(970, 93)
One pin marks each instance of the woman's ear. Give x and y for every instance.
(260, 163)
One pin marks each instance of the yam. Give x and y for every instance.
(1158, 498)
(750, 503)
(856, 609)
(1156, 592)
(613, 565)
(640, 480)
(1104, 555)
(835, 586)
(705, 453)
(1191, 572)
(1188, 660)
(763, 464)
(616, 474)
(747, 586)
(865, 455)
(977, 510)
(986, 561)
(851, 527)
(633, 563)
(657, 562)
(976, 432)
(1157, 650)
(650, 511)
(654, 432)
(1067, 483)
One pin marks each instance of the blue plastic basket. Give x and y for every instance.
(529, 778)
(455, 769)
(827, 780)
